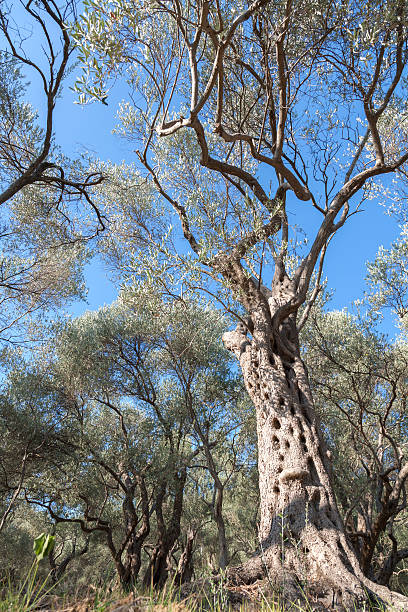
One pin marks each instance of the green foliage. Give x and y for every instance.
(334, 52)
(126, 390)
(359, 384)
(387, 277)
(42, 251)
(33, 589)
(20, 134)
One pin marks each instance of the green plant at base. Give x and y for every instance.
(28, 595)
(43, 545)
(218, 599)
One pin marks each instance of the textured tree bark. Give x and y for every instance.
(185, 569)
(303, 544)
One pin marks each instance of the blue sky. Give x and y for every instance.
(345, 265)
(89, 128)
(79, 128)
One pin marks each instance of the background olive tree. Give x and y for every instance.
(153, 411)
(48, 218)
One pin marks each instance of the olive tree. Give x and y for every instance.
(48, 215)
(151, 398)
(28, 155)
(244, 114)
(35, 434)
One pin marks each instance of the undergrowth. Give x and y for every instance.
(36, 594)
(212, 594)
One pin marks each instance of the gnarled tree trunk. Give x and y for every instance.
(303, 544)
(136, 538)
(185, 568)
(59, 569)
(157, 570)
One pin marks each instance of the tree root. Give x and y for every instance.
(331, 588)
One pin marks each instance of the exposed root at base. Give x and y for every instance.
(257, 580)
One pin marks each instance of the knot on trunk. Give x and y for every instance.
(236, 340)
(295, 473)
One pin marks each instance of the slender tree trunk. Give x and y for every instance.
(17, 491)
(396, 556)
(57, 571)
(223, 557)
(217, 511)
(302, 537)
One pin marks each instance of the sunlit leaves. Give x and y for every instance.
(388, 277)
(20, 134)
